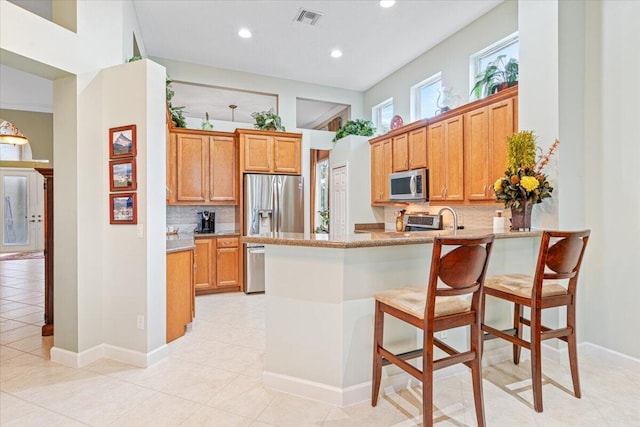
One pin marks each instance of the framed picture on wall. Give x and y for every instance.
(123, 208)
(122, 175)
(122, 142)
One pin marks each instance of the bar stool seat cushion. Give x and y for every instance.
(522, 285)
(412, 300)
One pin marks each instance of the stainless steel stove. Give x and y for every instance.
(422, 221)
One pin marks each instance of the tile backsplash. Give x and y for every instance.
(469, 216)
(185, 218)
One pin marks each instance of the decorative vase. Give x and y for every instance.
(521, 218)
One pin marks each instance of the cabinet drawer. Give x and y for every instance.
(228, 242)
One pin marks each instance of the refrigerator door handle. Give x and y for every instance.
(276, 210)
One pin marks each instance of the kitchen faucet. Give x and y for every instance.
(453, 214)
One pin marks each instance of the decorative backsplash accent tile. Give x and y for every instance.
(185, 218)
(469, 216)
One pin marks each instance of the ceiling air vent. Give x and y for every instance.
(307, 16)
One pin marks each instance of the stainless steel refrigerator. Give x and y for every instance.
(272, 203)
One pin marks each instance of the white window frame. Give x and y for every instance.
(415, 95)
(376, 114)
(474, 60)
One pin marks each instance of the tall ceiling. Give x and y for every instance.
(375, 41)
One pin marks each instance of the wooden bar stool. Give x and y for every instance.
(559, 258)
(436, 309)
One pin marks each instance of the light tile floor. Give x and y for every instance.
(212, 377)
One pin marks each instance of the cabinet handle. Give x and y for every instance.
(406, 164)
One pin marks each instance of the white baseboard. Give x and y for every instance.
(135, 358)
(350, 395)
(561, 355)
(76, 360)
(609, 356)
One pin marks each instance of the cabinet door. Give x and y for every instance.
(205, 263)
(376, 173)
(257, 153)
(192, 172)
(501, 125)
(223, 171)
(286, 154)
(381, 167)
(227, 260)
(172, 167)
(179, 304)
(418, 148)
(400, 153)
(476, 146)
(454, 149)
(437, 161)
(387, 167)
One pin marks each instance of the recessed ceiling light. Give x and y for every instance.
(336, 53)
(244, 33)
(387, 3)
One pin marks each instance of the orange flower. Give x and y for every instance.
(515, 179)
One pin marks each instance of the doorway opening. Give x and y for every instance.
(319, 191)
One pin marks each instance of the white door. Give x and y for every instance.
(339, 200)
(22, 210)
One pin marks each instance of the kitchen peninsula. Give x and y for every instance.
(319, 303)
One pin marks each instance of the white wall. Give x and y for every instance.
(104, 274)
(355, 152)
(451, 57)
(134, 267)
(609, 299)
(538, 99)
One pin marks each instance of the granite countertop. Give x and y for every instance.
(179, 242)
(362, 240)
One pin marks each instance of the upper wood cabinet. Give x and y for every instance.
(446, 156)
(270, 152)
(485, 139)
(410, 150)
(381, 167)
(202, 168)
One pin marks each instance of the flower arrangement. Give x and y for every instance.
(524, 180)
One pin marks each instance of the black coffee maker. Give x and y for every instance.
(206, 222)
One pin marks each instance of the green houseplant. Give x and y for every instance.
(355, 127)
(499, 74)
(176, 112)
(267, 120)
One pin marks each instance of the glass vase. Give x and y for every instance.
(521, 217)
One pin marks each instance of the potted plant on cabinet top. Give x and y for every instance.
(523, 183)
(267, 120)
(177, 116)
(497, 76)
(355, 127)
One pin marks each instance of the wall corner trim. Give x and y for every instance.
(106, 351)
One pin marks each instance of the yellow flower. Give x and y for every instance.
(529, 183)
(497, 186)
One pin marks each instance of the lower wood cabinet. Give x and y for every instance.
(180, 293)
(217, 265)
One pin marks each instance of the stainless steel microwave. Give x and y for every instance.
(410, 185)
